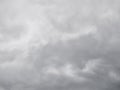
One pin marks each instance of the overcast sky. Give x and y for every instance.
(59, 45)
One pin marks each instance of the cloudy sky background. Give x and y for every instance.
(59, 45)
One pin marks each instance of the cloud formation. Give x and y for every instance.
(63, 45)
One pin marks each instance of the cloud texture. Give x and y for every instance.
(59, 44)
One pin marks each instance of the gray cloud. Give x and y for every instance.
(66, 45)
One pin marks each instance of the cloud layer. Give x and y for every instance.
(63, 45)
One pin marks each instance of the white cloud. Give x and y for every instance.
(91, 66)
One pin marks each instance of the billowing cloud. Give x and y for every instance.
(59, 45)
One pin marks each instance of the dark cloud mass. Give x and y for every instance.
(59, 45)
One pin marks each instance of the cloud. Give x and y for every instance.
(68, 44)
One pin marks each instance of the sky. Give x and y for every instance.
(59, 45)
